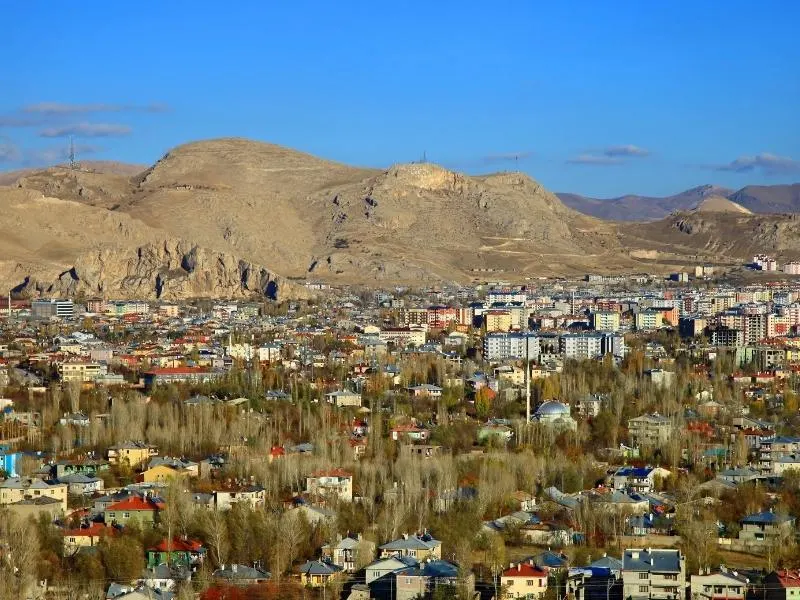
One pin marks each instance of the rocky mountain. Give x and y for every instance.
(769, 198)
(641, 208)
(762, 199)
(235, 218)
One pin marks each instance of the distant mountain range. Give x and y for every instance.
(761, 199)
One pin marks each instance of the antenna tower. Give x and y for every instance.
(73, 164)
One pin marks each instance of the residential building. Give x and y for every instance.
(524, 580)
(649, 430)
(782, 585)
(653, 574)
(332, 484)
(144, 510)
(179, 551)
(317, 573)
(134, 454)
(641, 480)
(21, 489)
(343, 398)
(505, 346)
(349, 553)
(81, 371)
(722, 585)
(402, 336)
(605, 320)
(765, 528)
(418, 547)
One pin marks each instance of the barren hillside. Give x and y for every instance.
(223, 217)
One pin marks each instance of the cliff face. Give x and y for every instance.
(64, 248)
(169, 270)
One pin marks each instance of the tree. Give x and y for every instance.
(123, 558)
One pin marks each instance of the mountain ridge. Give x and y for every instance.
(235, 218)
(780, 198)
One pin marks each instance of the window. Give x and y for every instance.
(671, 577)
(643, 589)
(529, 582)
(126, 515)
(644, 575)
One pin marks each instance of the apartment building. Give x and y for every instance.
(653, 574)
(649, 430)
(81, 371)
(605, 320)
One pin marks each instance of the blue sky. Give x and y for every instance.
(600, 98)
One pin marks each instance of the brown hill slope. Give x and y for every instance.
(61, 247)
(300, 215)
(220, 218)
(720, 204)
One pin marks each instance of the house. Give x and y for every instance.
(143, 509)
(317, 573)
(410, 431)
(649, 430)
(638, 479)
(79, 484)
(241, 575)
(333, 483)
(253, 495)
(164, 577)
(782, 585)
(766, 527)
(180, 551)
(21, 489)
(86, 467)
(134, 454)
(737, 475)
(349, 553)
(418, 547)
(383, 567)
(85, 536)
(343, 398)
(425, 390)
(655, 574)
(713, 586)
(422, 581)
(164, 472)
(524, 580)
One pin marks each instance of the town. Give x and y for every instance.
(627, 437)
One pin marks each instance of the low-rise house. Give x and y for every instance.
(86, 467)
(782, 585)
(134, 454)
(79, 484)
(738, 475)
(241, 575)
(164, 577)
(384, 567)
(343, 398)
(524, 580)
(142, 509)
(426, 390)
(638, 479)
(349, 553)
(252, 495)
(766, 527)
(180, 551)
(422, 581)
(331, 484)
(654, 574)
(723, 585)
(22, 489)
(86, 536)
(317, 573)
(418, 547)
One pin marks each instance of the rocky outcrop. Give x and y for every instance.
(170, 270)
